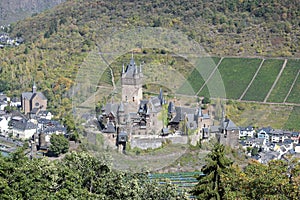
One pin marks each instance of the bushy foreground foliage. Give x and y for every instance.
(279, 179)
(77, 176)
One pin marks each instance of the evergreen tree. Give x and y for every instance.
(209, 185)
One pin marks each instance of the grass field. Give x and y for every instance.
(285, 82)
(264, 80)
(258, 115)
(236, 74)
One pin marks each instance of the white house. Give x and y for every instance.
(246, 132)
(24, 129)
(44, 114)
(4, 128)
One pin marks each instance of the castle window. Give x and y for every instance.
(133, 99)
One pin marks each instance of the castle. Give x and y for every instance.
(133, 115)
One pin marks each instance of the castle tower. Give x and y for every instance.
(131, 83)
(121, 114)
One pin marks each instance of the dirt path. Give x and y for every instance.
(252, 79)
(276, 80)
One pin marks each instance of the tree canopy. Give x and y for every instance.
(77, 176)
(59, 144)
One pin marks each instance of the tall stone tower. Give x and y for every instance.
(131, 81)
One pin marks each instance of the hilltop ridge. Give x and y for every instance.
(14, 10)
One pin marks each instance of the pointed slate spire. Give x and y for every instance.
(132, 63)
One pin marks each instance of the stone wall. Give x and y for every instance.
(156, 142)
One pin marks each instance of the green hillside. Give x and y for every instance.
(58, 41)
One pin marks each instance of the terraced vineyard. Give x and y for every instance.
(183, 180)
(285, 82)
(264, 80)
(294, 96)
(275, 81)
(236, 74)
(196, 80)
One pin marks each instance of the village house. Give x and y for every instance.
(4, 127)
(24, 129)
(247, 132)
(183, 118)
(295, 137)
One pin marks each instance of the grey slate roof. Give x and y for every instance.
(111, 108)
(24, 125)
(50, 130)
(181, 112)
(30, 95)
(131, 69)
(110, 128)
(155, 102)
(229, 125)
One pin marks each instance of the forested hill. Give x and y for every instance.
(228, 27)
(58, 40)
(14, 10)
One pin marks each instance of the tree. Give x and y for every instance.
(209, 185)
(205, 100)
(59, 144)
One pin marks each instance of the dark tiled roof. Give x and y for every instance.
(111, 108)
(110, 128)
(24, 125)
(27, 95)
(181, 112)
(30, 95)
(229, 125)
(54, 129)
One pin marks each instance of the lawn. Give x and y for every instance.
(285, 82)
(264, 80)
